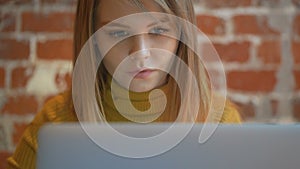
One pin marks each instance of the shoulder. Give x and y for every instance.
(227, 113)
(230, 114)
(57, 109)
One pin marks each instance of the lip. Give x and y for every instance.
(142, 73)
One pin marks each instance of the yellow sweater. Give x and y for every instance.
(60, 109)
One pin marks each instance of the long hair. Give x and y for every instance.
(84, 29)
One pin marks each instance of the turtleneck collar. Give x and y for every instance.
(133, 106)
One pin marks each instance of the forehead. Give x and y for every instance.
(109, 10)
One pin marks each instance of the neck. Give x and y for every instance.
(142, 107)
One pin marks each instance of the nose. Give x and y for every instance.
(140, 48)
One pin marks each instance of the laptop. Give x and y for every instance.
(248, 146)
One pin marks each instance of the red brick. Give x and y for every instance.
(296, 3)
(246, 110)
(55, 49)
(13, 50)
(251, 81)
(227, 3)
(19, 129)
(3, 157)
(214, 74)
(2, 2)
(296, 108)
(211, 25)
(255, 25)
(297, 79)
(20, 76)
(8, 22)
(2, 77)
(47, 22)
(296, 51)
(208, 50)
(270, 52)
(296, 26)
(234, 51)
(63, 79)
(20, 105)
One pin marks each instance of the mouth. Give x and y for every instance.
(142, 74)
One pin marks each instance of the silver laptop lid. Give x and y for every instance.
(68, 146)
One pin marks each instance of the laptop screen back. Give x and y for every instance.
(231, 147)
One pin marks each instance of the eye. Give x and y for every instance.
(118, 34)
(158, 31)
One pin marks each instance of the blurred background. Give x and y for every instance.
(257, 40)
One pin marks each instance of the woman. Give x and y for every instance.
(144, 79)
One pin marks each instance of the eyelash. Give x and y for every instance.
(158, 31)
(118, 34)
(121, 33)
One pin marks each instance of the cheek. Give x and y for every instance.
(109, 64)
(168, 44)
(171, 45)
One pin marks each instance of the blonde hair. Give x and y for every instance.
(84, 29)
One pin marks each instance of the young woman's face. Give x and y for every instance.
(133, 58)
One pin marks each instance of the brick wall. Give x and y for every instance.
(257, 40)
(35, 61)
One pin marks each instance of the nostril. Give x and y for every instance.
(141, 64)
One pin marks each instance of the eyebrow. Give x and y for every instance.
(113, 24)
(161, 20)
(116, 24)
